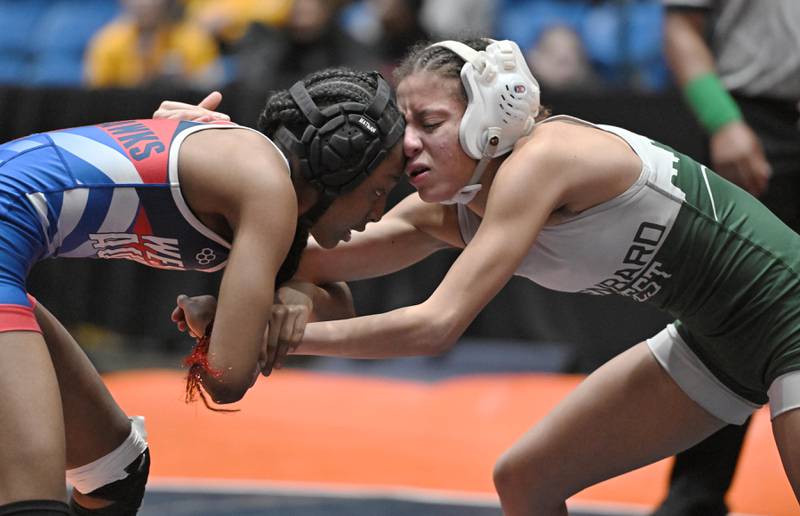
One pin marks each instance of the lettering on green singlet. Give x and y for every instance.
(641, 276)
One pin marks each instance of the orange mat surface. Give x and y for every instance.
(360, 432)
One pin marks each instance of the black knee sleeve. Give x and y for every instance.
(35, 508)
(126, 493)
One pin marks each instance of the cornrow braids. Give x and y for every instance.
(326, 88)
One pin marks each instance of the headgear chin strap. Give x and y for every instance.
(502, 104)
(344, 142)
(467, 193)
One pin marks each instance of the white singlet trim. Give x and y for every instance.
(703, 169)
(784, 394)
(177, 195)
(700, 384)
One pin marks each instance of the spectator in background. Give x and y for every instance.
(150, 44)
(621, 39)
(559, 60)
(389, 27)
(270, 58)
(743, 85)
(447, 19)
(624, 43)
(228, 20)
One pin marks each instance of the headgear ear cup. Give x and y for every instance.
(343, 142)
(502, 96)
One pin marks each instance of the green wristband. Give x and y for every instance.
(710, 102)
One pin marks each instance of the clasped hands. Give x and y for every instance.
(288, 318)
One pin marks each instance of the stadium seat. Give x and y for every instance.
(524, 21)
(16, 29)
(62, 34)
(626, 38)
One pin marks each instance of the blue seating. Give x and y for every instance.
(12, 68)
(524, 20)
(43, 41)
(62, 34)
(623, 40)
(626, 38)
(17, 21)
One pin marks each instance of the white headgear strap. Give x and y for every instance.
(502, 104)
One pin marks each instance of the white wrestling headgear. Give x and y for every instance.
(502, 104)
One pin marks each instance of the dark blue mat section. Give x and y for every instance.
(162, 502)
(183, 504)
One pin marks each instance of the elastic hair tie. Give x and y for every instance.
(197, 362)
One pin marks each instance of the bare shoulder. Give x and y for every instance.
(551, 147)
(565, 140)
(590, 165)
(225, 170)
(233, 157)
(236, 147)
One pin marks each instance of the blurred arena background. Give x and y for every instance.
(415, 436)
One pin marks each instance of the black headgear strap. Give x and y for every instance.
(340, 134)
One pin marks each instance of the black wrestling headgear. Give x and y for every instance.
(343, 143)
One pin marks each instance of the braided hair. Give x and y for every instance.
(328, 87)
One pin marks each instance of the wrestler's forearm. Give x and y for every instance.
(399, 333)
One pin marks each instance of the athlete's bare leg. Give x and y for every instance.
(94, 424)
(32, 452)
(786, 429)
(625, 415)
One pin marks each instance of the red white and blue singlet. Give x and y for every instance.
(103, 191)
